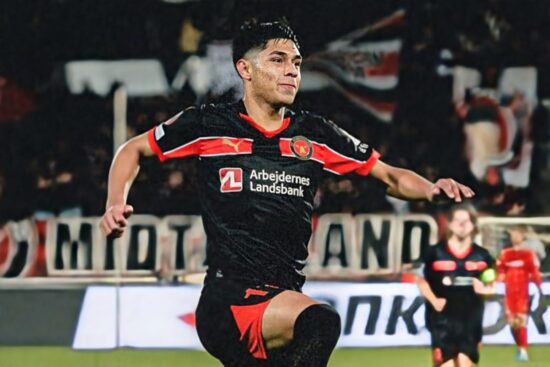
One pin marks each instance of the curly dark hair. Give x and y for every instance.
(255, 35)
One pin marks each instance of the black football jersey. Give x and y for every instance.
(256, 186)
(450, 275)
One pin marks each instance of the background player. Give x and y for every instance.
(451, 285)
(517, 266)
(260, 165)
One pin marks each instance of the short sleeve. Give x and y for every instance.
(177, 137)
(342, 153)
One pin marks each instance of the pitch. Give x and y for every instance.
(501, 356)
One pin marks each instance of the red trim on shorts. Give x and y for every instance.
(437, 355)
(267, 133)
(475, 265)
(444, 265)
(249, 321)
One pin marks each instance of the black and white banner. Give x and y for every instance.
(373, 315)
(363, 65)
(342, 246)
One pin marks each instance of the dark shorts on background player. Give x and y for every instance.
(229, 321)
(451, 336)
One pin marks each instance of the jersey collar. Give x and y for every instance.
(460, 254)
(267, 133)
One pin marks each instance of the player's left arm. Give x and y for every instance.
(342, 153)
(406, 184)
(483, 289)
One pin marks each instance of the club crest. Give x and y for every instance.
(301, 147)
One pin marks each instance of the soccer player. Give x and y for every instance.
(455, 294)
(260, 165)
(517, 266)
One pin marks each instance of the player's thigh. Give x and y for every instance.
(449, 363)
(463, 360)
(280, 316)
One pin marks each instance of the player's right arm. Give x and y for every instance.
(124, 169)
(426, 291)
(177, 137)
(438, 303)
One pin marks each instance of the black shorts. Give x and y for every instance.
(229, 321)
(452, 335)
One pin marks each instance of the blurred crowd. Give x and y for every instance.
(57, 146)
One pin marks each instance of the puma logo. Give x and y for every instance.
(231, 144)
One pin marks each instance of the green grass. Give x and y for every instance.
(386, 357)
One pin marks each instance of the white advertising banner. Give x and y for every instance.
(373, 315)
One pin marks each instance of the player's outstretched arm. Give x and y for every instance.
(124, 169)
(406, 184)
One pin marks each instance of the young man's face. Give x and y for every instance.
(275, 72)
(516, 237)
(461, 226)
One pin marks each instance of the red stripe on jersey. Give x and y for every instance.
(154, 146)
(191, 148)
(284, 147)
(260, 128)
(475, 265)
(249, 322)
(286, 151)
(444, 265)
(205, 146)
(342, 164)
(367, 167)
(225, 146)
(332, 160)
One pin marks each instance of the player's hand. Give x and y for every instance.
(113, 223)
(482, 289)
(447, 188)
(439, 304)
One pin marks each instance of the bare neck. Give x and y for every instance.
(265, 115)
(459, 244)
